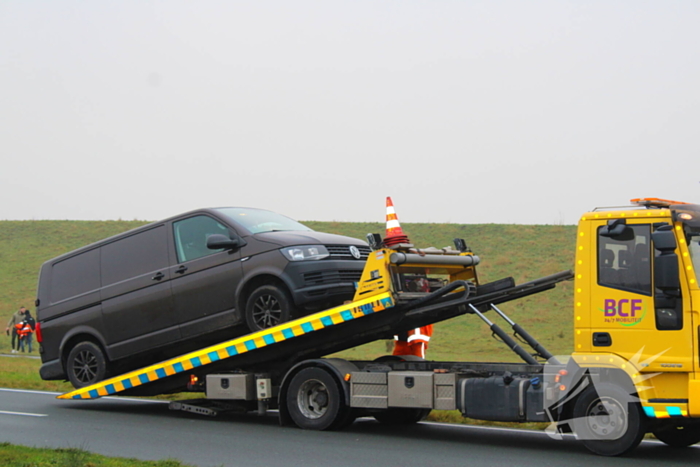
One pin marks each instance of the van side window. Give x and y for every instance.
(625, 264)
(191, 237)
(134, 256)
(75, 276)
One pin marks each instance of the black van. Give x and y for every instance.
(183, 283)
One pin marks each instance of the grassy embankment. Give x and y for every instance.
(21, 456)
(525, 252)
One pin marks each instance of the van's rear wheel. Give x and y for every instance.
(267, 306)
(86, 364)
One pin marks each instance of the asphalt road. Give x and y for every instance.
(146, 429)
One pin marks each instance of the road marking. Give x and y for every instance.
(526, 431)
(24, 414)
(29, 391)
(115, 398)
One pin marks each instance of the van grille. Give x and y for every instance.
(343, 251)
(331, 277)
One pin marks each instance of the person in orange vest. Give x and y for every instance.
(25, 333)
(413, 342)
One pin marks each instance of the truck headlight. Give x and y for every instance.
(305, 252)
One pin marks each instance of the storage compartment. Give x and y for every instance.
(497, 398)
(369, 390)
(411, 389)
(236, 387)
(445, 391)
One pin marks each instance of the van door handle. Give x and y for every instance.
(181, 270)
(158, 276)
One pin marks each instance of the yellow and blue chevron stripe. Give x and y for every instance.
(669, 411)
(238, 346)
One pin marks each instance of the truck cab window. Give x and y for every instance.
(623, 263)
(191, 237)
(694, 247)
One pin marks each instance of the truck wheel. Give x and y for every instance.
(315, 402)
(399, 416)
(607, 420)
(678, 436)
(86, 365)
(267, 306)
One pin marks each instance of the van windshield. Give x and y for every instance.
(259, 220)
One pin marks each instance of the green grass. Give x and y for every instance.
(23, 373)
(21, 456)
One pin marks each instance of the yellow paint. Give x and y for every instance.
(638, 348)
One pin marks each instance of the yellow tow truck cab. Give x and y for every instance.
(636, 300)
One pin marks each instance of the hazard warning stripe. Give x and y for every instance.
(234, 347)
(665, 412)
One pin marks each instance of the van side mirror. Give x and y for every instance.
(219, 241)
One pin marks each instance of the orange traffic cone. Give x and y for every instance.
(394, 234)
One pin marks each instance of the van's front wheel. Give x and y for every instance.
(86, 364)
(267, 306)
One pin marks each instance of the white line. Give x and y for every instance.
(484, 427)
(24, 414)
(50, 393)
(29, 391)
(523, 430)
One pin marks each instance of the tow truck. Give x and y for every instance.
(635, 366)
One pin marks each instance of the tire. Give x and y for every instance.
(267, 306)
(399, 416)
(315, 401)
(678, 436)
(86, 364)
(607, 420)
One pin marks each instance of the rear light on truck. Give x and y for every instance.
(37, 330)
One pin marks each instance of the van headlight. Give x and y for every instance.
(305, 252)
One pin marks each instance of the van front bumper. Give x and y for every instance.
(319, 284)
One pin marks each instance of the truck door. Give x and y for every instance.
(204, 281)
(638, 316)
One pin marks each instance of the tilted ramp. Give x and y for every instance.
(234, 348)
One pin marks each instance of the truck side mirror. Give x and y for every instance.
(666, 275)
(617, 229)
(663, 239)
(219, 241)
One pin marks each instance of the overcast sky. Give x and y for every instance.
(462, 111)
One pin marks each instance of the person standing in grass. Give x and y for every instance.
(26, 332)
(17, 318)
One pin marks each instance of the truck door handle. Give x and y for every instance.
(158, 276)
(602, 339)
(181, 270)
